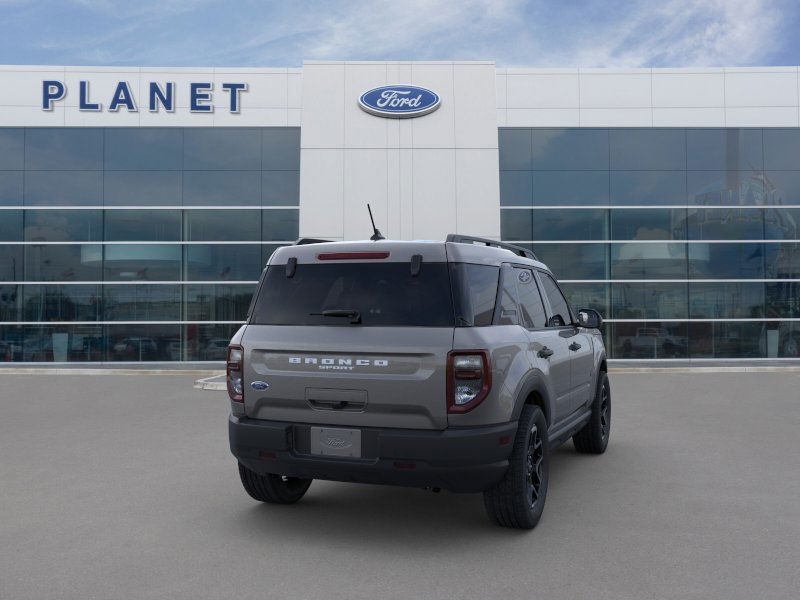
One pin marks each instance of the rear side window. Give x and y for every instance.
(530, 301)
(508, 298)
(384, 294)
(557, 301)
(474, 293)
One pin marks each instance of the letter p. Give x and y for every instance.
(51, 91)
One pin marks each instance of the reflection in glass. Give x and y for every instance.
(726, 224)
(142, 225)
(142, 302)
(782, 260)
(143, 342)
(648, 149)
(731, 188)
(12, 148)
(234, 262)
(588, 295)
(222, 225)
(143, 148)
(142, 188)
(557, 224)
(724, 149)
(726, 300)
(146, 262)
(648, 224)
(516, 188)
(574, 261)
(218, 302)
(783, 340)
(63, 225)
(726, 261)
(557, 188)
(11, 263)
(221, 188)
(62, 343)
(63, 188)
(727, 340)
(280, 188)
(11, 188)
(67, 262)
(63, 148)
(570, 149)
(515, 149)
(650, 339)
(782, 148)
(280, 148)
(10, 225)
(208, 342)
(222, 148)
(62, 303)
(783, 299)
(280, 224)
(648, 187)
(10, 304)
(639, 300)
(648, 261)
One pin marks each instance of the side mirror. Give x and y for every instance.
(589, 318)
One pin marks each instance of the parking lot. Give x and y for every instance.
(115, 486)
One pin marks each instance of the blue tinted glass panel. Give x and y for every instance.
(726, 261)
(233, 262)
(11, 263)
(782, 260)
(64, 148)
(222, 188)
(143, 148)
(67, 262)
(145, 262)
(218, 302)
(724, 149)
(783, 299)
(516, 225)
(648, 149)
(10, 225)
(11, 188)
(727, 340)
(648, 187)
(10, 309)
(12, 148)
(648, 224)
(580, 225)
(648, 261)
(726, 224)
(516, 188)
(280, 225)
(514, 149)
(729, 188)
(782, 148)
(11, 339)
(63, 225)
(280, 188)
(726, 300)
(783, 340)
(575, 261)
(782, 187)
(143, 188)
(142, 302)
(142, 225)
(222, 225)
(640, 300)
(587, 295)
(143, 342)
(280, 149)
(222, 148)
(62, 302)
(62, 343)
(649, 339)
(556, 188)
(208, 342)
(781, 223)
(63, 188)
(570, 149)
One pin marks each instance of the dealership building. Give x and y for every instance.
(138, 206)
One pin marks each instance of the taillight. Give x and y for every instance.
(234, 373)
(469, 379)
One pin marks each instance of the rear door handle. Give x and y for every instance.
(574, 346)
(545, 352)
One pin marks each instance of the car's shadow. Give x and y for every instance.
(369, 515)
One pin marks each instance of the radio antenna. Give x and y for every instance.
(377, 234)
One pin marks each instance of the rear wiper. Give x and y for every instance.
(353, 315)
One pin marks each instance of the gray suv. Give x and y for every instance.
(456, 365)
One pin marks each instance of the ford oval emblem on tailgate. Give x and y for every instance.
(259, 385)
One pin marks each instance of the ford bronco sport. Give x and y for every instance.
(456, 365)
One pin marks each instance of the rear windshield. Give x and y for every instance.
(383, 294)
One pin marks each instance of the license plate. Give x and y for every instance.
(330, 441)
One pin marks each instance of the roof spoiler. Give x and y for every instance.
(468, 239)
(304, 241)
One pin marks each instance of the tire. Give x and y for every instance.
(593, 438)
(274, 489)
(517, 501)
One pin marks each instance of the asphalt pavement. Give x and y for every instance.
(122, 486)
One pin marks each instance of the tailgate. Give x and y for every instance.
(350, 376)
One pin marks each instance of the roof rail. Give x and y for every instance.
(468, 239)
(304, 241)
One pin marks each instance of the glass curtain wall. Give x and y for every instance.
(685, 240)
(137, 244)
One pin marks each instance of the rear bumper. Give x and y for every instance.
(459, 460)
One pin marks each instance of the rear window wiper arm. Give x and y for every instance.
(353, 315)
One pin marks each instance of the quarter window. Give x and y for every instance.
(508, 298)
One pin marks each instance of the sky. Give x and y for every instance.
(566, 33)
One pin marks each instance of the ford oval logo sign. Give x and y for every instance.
(399, 101)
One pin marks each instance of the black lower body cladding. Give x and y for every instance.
(456, 459)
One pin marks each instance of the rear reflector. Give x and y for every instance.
(352, 255)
